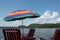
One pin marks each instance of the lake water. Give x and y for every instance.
(46, 33)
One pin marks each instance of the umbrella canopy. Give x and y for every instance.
(20, 15)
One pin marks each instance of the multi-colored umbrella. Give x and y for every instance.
(20, 15)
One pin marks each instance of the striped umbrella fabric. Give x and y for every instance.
(20, 15)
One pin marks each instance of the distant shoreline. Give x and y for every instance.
(35, 26)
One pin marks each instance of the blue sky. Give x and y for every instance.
(39, 6)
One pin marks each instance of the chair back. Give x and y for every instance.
(56, 35)
(31, 33)
(12, 34)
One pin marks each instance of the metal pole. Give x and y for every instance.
(22, 28)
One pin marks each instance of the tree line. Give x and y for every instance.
(36, 26)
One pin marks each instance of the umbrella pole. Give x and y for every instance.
(22, 28)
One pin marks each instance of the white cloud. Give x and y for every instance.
(0, 18)
(55, 14)
(58, 20)
(48, 17)
(12, 23)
